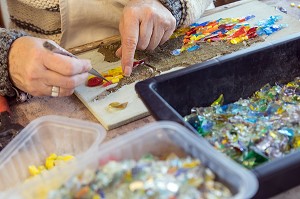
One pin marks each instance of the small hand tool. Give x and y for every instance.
(59, 50)
(8, 130)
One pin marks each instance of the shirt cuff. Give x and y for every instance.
(7, 37)
(178, 9)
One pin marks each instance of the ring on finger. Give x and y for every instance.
(55, 91)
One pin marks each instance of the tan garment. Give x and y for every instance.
(37, 17)
(87, 21)
(75, 22)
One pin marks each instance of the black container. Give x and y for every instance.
(237, 75)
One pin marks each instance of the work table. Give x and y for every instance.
(72, 107)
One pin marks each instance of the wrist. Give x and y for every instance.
(14, 52)
(7, 37)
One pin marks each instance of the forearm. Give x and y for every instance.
(7, 37)
(186, 12)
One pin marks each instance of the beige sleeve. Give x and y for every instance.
(87, 21)
(194, 10)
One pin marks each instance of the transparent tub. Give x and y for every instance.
(39, 139)
(159, 139)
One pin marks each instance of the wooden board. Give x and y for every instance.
(136, 108)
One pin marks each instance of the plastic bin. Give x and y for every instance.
(40, 138)
(238, 75)
(163, 138)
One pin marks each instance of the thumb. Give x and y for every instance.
(87, 65)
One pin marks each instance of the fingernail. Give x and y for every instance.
(127, 71)
(118, 53)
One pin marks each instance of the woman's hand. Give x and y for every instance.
(36, 70)
(144, 25)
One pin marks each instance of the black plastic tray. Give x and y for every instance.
(237, 75)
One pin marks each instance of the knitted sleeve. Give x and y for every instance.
(7, 37)
(186, 12)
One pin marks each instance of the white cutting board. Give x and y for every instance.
(136, 109)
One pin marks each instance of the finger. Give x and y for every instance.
(119, 52)
(68, 82)
(46, 90)
(58, 92)
(65, 92)
(166, 36)
(146, 30)
(156, 37)
(170, 28)
(65, 65)
(129, 39)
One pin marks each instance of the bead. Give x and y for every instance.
(49, 163)
(137, 63)
(41, 168)
(91, 76)
(193, 48)
(65, 157)
(96, 196)
(281, 9)
(33, 170)
(292, 4)
(218, 101)
(136, 185)
(94, 81)
(118, 105)
(106, 84)
(268, 31)
(235, 40)
(115, 80)
(176, 52)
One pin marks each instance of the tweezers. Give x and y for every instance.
(56, 49)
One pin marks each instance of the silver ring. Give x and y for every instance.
(55, 91)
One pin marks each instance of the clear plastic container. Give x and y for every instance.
(160, 139)
(40, 138)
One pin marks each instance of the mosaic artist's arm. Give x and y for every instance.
(29, 67)
(38, 71)
(7, 38)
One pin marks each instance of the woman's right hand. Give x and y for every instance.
(35, 70)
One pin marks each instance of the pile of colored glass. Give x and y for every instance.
(50, 162)
(146, 178)
(254, 130)
(234, 30)
(113, 76)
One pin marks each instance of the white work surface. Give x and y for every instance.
(136, 109)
